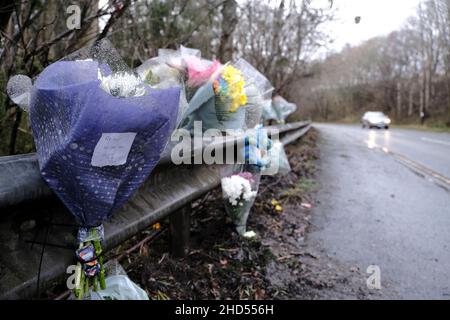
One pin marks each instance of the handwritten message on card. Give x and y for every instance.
(112, 149)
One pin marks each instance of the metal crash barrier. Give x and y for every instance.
(30, 214)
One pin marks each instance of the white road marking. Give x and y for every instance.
(415, 166)
(425, 171)
(445, 143)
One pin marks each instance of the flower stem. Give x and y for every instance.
(80, 286)
(86, 286)
(98, 252)
(78, 291)
(95, 284)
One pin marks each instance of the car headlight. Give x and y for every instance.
(387, 121)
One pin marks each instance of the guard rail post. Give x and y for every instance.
(180, 227)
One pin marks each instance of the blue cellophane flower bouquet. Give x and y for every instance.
(99, 133)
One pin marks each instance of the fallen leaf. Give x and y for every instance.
(144, 251)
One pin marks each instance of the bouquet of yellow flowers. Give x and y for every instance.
(221, 96)
(258, 91)
(238, 95)
(229, 87)
(219, 102)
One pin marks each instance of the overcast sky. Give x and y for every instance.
(378, 17)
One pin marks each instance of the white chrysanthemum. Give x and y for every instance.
(237, 187)
(122, 85)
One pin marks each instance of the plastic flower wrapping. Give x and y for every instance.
(240, 189)
(278, 163)
(258, 90)
(257, 146)
(229, 96)
(239, 192)
(96, 122)
(278, 110)
(219, 102)
(100, 128)
(99, 132)
(164, 71)
(236, 100)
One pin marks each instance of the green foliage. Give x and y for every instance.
(303, 185)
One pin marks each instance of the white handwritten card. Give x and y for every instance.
(112, 149)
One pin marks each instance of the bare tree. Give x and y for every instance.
(280, 41)
(229, 21)
(33, 34)
(409, 64)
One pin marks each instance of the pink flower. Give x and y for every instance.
(199, 72)
(247, 176)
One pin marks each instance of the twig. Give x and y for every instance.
(140, 244)
(64, 295)
(162, 259)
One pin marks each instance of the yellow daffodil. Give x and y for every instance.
(243, 100)
(235, 82)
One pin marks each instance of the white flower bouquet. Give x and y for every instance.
(239, 192)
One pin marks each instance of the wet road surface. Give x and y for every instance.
(384, 200)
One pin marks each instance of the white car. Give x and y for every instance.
(375, 120)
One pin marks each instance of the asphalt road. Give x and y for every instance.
(384, 200)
